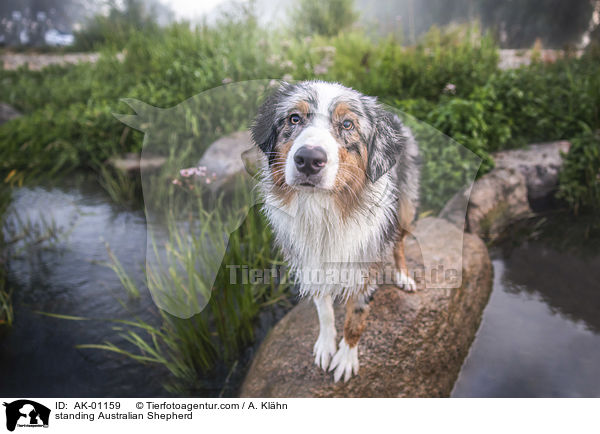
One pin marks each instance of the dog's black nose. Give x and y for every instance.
(310, 160)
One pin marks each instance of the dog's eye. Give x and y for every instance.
(347, 124)
(294, 119)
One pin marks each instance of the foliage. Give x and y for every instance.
(6, 308)
(580, 176)
(68, 118)
(387, 69)
(546, 101)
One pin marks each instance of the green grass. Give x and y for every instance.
(126, 281)
(580, 178)
(202, 325)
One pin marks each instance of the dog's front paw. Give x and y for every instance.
(404, 282)
(324, 349)
(345, 362)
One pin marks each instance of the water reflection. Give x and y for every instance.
(540, 333)
(38, 355)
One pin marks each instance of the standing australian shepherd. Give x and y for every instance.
(340, 190)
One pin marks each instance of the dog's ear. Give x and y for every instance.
(386, 143)
(264, 128)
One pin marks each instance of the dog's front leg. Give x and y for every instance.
(345, 361)
(325, 345)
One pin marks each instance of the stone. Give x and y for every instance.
(414, 344)
(7, 113)
(497, 200)
(540, 163)
(522, 180)
(230, 156)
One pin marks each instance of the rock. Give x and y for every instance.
(497, 200)
(522, 179)
(132, 164)
(7, 113)
(414, 344)
(539, 163)
(230, 156)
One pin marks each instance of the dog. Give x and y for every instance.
(340, 189)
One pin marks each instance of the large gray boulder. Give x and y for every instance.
(229, 157)
(539, 163)
(522, 178)
(414, 344)
(495, 201)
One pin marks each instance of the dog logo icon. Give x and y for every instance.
(26, 413)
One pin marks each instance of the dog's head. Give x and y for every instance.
(327, 137)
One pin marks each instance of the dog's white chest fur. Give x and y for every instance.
(327, 252)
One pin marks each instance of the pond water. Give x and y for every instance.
(69, 276)
(38, 355)
(540, 333)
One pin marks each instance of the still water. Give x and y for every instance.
(38, 355)
(540, 333)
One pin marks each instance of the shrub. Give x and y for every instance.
(547, 101)
(580, 176)
(393, 72)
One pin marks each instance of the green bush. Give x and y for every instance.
(392, 71)
(580, 176)
(545, 102)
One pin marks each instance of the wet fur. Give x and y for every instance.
(355, 223)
